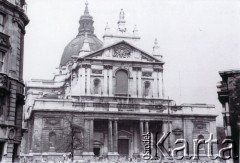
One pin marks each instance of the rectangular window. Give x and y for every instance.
(1, 61)
(1, 22)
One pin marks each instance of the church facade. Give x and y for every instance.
(106, 96)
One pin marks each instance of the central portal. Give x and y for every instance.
(123, 147)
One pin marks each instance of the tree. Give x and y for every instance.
(72, 134)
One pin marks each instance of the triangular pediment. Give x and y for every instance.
(122, 51)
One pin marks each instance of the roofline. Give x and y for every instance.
(229, 72)
(123, 41)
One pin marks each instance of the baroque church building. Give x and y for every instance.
(106, 96)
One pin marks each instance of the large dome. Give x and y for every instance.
(74, 47)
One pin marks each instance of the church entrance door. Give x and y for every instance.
(123, 147)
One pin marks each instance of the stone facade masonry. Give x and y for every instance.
(11, 78)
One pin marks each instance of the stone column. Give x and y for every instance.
(160, 88)
(146, 126)
(135, 144)
(134, 86)
(141, 136)
(86, 136)
(110, 137)
(91, 133)
(110, 74)
(163, 90)
(228, 127)
(78, 90)
(115, 136)
(166, 130)
(155, 84)
(139, 82)
(105, 81)
(88, 80)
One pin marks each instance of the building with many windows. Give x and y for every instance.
(105, 97)
(12, 29)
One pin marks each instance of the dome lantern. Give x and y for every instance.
(79, 43)
(86, 22)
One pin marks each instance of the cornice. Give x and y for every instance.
(14, 8)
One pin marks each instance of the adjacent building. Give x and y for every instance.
(12, 29)
(106, 95)
(229, 96)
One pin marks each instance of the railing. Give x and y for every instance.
(128, 107)
(96, 106)
(101, 105)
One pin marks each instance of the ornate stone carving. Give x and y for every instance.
(177, 131)
(137, 68)
(157, 69)
(3, 80)
(4, 41)
(52, 122)
(107, 67)
(200, 125)
(19, 22)
(11, 133)
(146, 58)
(158, 108)
(95, 71)
(86, 66)
(147, 74)
(122, 51)
(176, 108)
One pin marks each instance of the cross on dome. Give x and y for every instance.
(86, 12)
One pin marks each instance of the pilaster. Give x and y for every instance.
(105, 81)
(141, 135)
(160, 84)
(134, 86)
(155, 85)
(115, 136)
(81, 80)
(139, 80)
(88, 80)
(110, 78)
(110, 136)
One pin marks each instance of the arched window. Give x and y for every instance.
(147, 86)
(121, 82)
(52, 139)
(96, 86)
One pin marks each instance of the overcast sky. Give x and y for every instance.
(197, 38)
